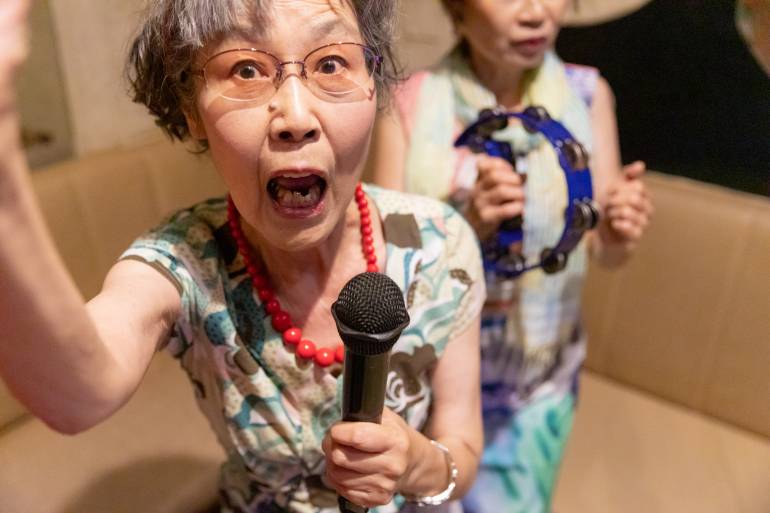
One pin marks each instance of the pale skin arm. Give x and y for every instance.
(620, 191)
(93, 356)
(70, 364)
(368, 463)
(387, 155)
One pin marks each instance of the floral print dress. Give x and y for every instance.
(270, 410)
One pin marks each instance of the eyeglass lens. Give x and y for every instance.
(340, 72)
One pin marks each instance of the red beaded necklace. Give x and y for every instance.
(281, 321)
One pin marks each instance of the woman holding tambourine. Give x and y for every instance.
(502, 87)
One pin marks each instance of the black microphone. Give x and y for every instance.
(370, 315)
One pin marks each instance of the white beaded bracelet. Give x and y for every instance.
(441, 497)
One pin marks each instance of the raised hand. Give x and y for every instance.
(498, 195)
(13, 41)
(366, 462)
(627, 208)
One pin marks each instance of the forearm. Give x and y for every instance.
(609, 254)
(455, 421)
(50, 355)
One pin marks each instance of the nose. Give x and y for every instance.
(294, 120)
(531, 13)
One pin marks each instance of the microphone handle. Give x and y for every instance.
(363, 387)
(363, 397)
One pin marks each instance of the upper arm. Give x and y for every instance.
(388, 151)
(605, 159)
(134, 314)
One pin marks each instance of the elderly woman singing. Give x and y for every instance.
(283, 95)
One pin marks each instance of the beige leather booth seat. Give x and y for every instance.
(674, 414)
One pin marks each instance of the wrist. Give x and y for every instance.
(443, 492)
(609, 249)
(428, 473)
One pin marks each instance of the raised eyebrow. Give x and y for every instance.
(323, 28)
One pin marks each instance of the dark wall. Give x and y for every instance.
(691, 99)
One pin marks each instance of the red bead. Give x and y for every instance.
(364, 211)
(324, 357)
(259, 282)
(265, 294)
(361, 202)
(372, 268)
(366, 220)
(339, 353)
(292, 336)
(306, 349)
(272, 306)
(252, 269)
(281, 321)
(366, 230)
(360, 193)
(367, 240)
(371, 259)
(369, 249)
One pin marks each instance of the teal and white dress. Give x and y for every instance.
(531, 342)
(269, 410)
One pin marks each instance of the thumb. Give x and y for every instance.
(634, 170)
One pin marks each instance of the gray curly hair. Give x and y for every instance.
(173, 31)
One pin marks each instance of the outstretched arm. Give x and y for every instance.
(69, 364)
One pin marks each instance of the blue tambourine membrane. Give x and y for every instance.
(580, 214)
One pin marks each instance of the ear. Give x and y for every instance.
(194, 124)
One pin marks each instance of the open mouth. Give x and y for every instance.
(297, 192)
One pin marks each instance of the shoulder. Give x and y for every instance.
(412, 84)
(425, 210)
(584, 81)
(193, 226)
(444, 237)
(185, 241)
(602, 104)
(406, 96)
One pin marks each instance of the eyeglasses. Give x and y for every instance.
(337, 72)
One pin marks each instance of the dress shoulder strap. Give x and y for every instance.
(582, 80)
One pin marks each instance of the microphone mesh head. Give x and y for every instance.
(371, 303)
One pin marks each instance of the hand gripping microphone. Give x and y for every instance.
(370, 315)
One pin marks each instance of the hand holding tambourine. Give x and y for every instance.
(495, 195)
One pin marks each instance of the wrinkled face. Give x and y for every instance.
(514, 33)
(290, 158)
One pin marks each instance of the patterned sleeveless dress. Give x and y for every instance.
(532, 344)
(269, 409)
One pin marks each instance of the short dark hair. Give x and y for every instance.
(172, 31)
